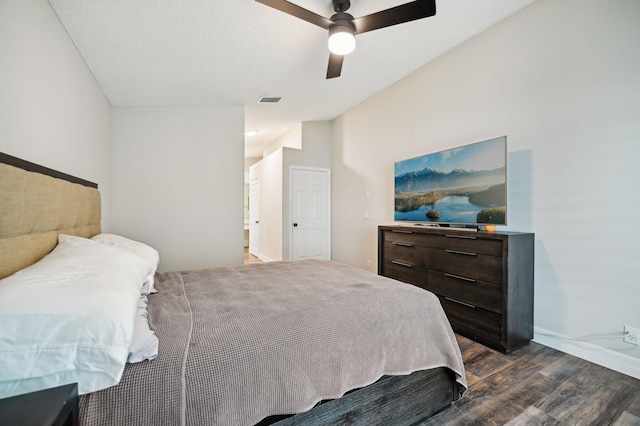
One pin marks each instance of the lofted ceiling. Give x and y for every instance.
(230, 53)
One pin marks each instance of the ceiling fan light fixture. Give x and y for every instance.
(342, 38)
(343, 27)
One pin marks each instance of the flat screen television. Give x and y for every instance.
(459, 186)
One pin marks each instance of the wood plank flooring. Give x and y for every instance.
(249, 258)
(537, 385)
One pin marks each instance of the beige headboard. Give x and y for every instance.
(36, 207)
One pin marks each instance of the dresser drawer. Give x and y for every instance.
(408, 274)
(485, 324)
(466, 264)
(478, 293)
(405, 253)
(406, 237)
(467, 243)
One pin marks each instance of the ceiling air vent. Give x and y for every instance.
(269, 100)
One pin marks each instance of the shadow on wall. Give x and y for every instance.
(357, 194)
(520, 190)
(549, 300)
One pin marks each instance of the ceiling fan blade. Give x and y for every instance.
(335, 66)
(396, 15)
(298, 12)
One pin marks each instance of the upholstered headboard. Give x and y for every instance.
(37, 204)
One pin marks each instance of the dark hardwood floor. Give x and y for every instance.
(537, 385)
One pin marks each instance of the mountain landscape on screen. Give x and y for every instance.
(462, 185)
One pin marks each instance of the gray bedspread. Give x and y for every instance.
(243, 343)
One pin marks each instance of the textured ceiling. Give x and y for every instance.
(213, 52)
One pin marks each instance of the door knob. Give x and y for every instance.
(295, 224)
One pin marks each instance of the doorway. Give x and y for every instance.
(254, 217)
(310, 213)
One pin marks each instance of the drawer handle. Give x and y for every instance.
(466, 253)
(401, 244)
(397, 231)
(471, 280)
(401, 264)
(460, 303)
(466, 237)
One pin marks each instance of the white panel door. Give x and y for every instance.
(311, 214)
(254, 216)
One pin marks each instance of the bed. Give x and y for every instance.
(305, 343)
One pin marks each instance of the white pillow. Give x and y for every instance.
(144, 344)
(69, 318)
(149, 254)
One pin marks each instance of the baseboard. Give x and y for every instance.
(264, 258)
(608, 358)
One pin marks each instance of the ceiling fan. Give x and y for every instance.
(343, 27)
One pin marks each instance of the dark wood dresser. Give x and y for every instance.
(484, 280)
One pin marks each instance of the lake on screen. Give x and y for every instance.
(454, 208)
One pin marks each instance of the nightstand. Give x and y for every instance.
(48, 407)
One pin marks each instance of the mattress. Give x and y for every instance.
(240, 344)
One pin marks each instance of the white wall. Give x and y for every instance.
(178, 183)
(291, 139)
(561, 80)
(52, 111)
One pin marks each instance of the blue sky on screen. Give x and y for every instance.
(487, 155)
